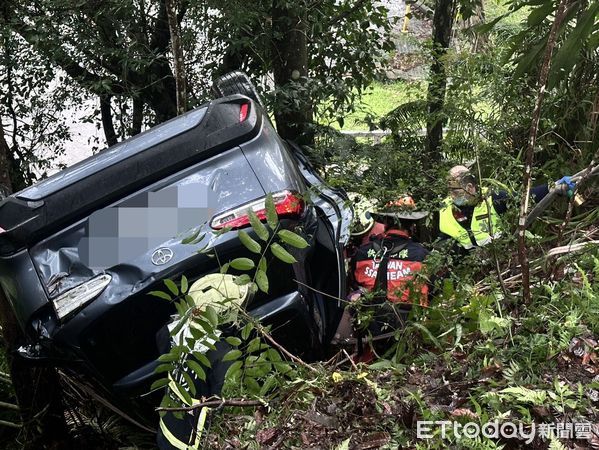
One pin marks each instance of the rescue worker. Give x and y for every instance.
(470, 215)
(363, 226)
(388, 266)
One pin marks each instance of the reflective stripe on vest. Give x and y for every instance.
(199, 429)
(479, 224)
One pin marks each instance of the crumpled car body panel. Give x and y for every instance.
(117, 337)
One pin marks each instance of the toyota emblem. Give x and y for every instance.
(162, 256)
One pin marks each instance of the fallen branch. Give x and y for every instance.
(350, 359)
(572, 248)
(266, 335)
(283, 350)
(214, 404)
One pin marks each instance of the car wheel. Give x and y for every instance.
(236, 83)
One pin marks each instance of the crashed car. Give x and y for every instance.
(81, 251)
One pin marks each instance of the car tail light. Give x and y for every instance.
(243, 111)
(77, 297)
(287, 204)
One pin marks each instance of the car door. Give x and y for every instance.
(335, 207)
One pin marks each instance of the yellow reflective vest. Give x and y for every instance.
(479, 224)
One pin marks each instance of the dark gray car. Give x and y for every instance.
(81, 250)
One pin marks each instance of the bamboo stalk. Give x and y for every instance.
(529, 154)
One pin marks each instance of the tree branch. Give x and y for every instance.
(345, 14)
(179, 62)
(215, 403)
(59, 56)
(107, 125)
(138, 115)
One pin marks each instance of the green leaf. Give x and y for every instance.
(282, 254)
(159, 384)
(193, 237)
(232, 355)
(201, 374)
(271, 212)
(184, 284)
(273, 355)
(293, 239)
(189, 381)
(567, 55)
(257, 226)
(233, 370)
(211, 314)
(539, 14)
(427, 332)
(233, 340)
(254, 345)
(164, 368)
(262, 264)
(205, 325)
(529, 59)
(189, 301)
(381, 365)
(161, 294)
(224, 268)
(172, 286)
(252, 385)
(166, 402)
(242, 280)
(282, 367)
(181, 308)
(246, 330)
(268, 384)
(262, 281)
(484, 28)
(169, 357)
(178, 388)
(182, 321)
(242, 264)
(203, 359)
(248, 242)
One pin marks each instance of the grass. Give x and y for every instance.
(379, 99)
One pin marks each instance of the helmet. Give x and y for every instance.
(403, 208)
(218, 290)
(363, 221)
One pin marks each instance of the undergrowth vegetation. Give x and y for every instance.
(474, 356)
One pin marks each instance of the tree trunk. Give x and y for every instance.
(179, 62)
(290, 67)
(107, 125)
(442, 25)
(5, 169)
(138, 116)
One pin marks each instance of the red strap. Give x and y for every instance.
(401, 233)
